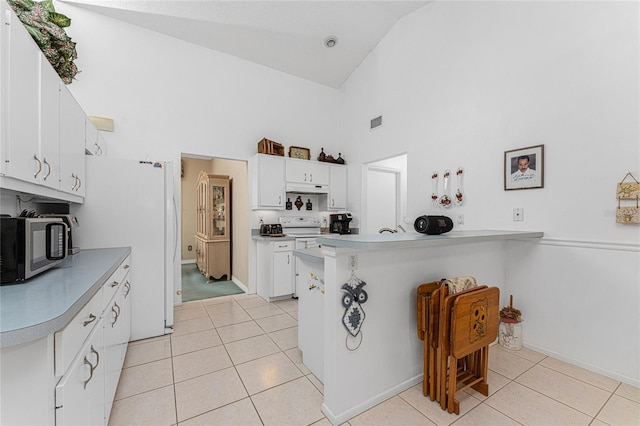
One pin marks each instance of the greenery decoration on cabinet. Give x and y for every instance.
(46, 26)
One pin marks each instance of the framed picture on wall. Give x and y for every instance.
(524, 168)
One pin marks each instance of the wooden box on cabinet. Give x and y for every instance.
(213, 234)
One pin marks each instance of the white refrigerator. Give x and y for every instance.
(131, 204)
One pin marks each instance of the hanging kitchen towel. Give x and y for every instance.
(458, 284)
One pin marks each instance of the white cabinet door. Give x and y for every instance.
(49, 124)
(337, 188)
(72, 134)
(20, 83)
(70, 339)
(112, 349)
(282, 273)
(80, 393)
(125, 317)
(270, 182)
(307, 171)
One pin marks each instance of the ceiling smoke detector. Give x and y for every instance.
(330, 41)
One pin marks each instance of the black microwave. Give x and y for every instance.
(30, 246)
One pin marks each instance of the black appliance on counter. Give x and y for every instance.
(30, 246)
(340, 223)
(271, 230)
(433, 225)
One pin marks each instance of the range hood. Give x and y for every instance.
(306, 188)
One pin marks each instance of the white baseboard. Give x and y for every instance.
(629, 380)
(340, 418)
(187, 261)
(239, 284)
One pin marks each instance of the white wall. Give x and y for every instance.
(169, 97)
(459, 83)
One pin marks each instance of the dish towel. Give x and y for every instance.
(458, 284)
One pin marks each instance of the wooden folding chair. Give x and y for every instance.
(474, 325)
(423, 295)
(445, 366)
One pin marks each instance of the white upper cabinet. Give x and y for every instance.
(337, 199)
(20, 80)
(307, 171)
(72, 143)
(49, 124)
(42, 128)
(267, 182)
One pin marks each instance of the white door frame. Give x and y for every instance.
(365, 210)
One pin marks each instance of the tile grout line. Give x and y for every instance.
(173, 379)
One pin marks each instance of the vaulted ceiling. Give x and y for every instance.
(288, 36)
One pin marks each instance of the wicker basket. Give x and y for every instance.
(266, 146)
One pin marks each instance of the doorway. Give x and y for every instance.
(236, 170)
(385, 195)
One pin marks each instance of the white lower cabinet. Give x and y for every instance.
(80, 394)
(117, 329)
(85, 394)
(275, 269)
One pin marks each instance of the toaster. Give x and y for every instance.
(273, 229)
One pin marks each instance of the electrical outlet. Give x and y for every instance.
(353, 261)
(518, 215)
(460, 219)
(189, 248)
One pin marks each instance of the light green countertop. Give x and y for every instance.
(47, 302)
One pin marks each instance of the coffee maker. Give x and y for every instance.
(340, 223)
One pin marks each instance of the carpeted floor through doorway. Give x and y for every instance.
(195, 286)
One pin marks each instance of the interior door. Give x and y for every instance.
(383, 189)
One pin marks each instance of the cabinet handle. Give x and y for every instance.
(125, 266)
(128, 287)
(288, 259)
(113, 309)
(114, 284)
(279, 200)
(79, 182)
(91, 319)
(310, 177)
(75, 181)
(98, 150)
(44, 160)
(97, 356)
(333, 202)
(91, 368)
(305, 177)
(35, 157)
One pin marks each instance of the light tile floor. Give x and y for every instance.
(234, 360)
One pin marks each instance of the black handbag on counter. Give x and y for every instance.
(433, 225)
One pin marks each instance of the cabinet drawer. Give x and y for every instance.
(283, 246)
(114, 281)
(68, 341)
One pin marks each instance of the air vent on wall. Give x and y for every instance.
(376, 122)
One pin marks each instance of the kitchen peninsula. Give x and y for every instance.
(386, 357)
